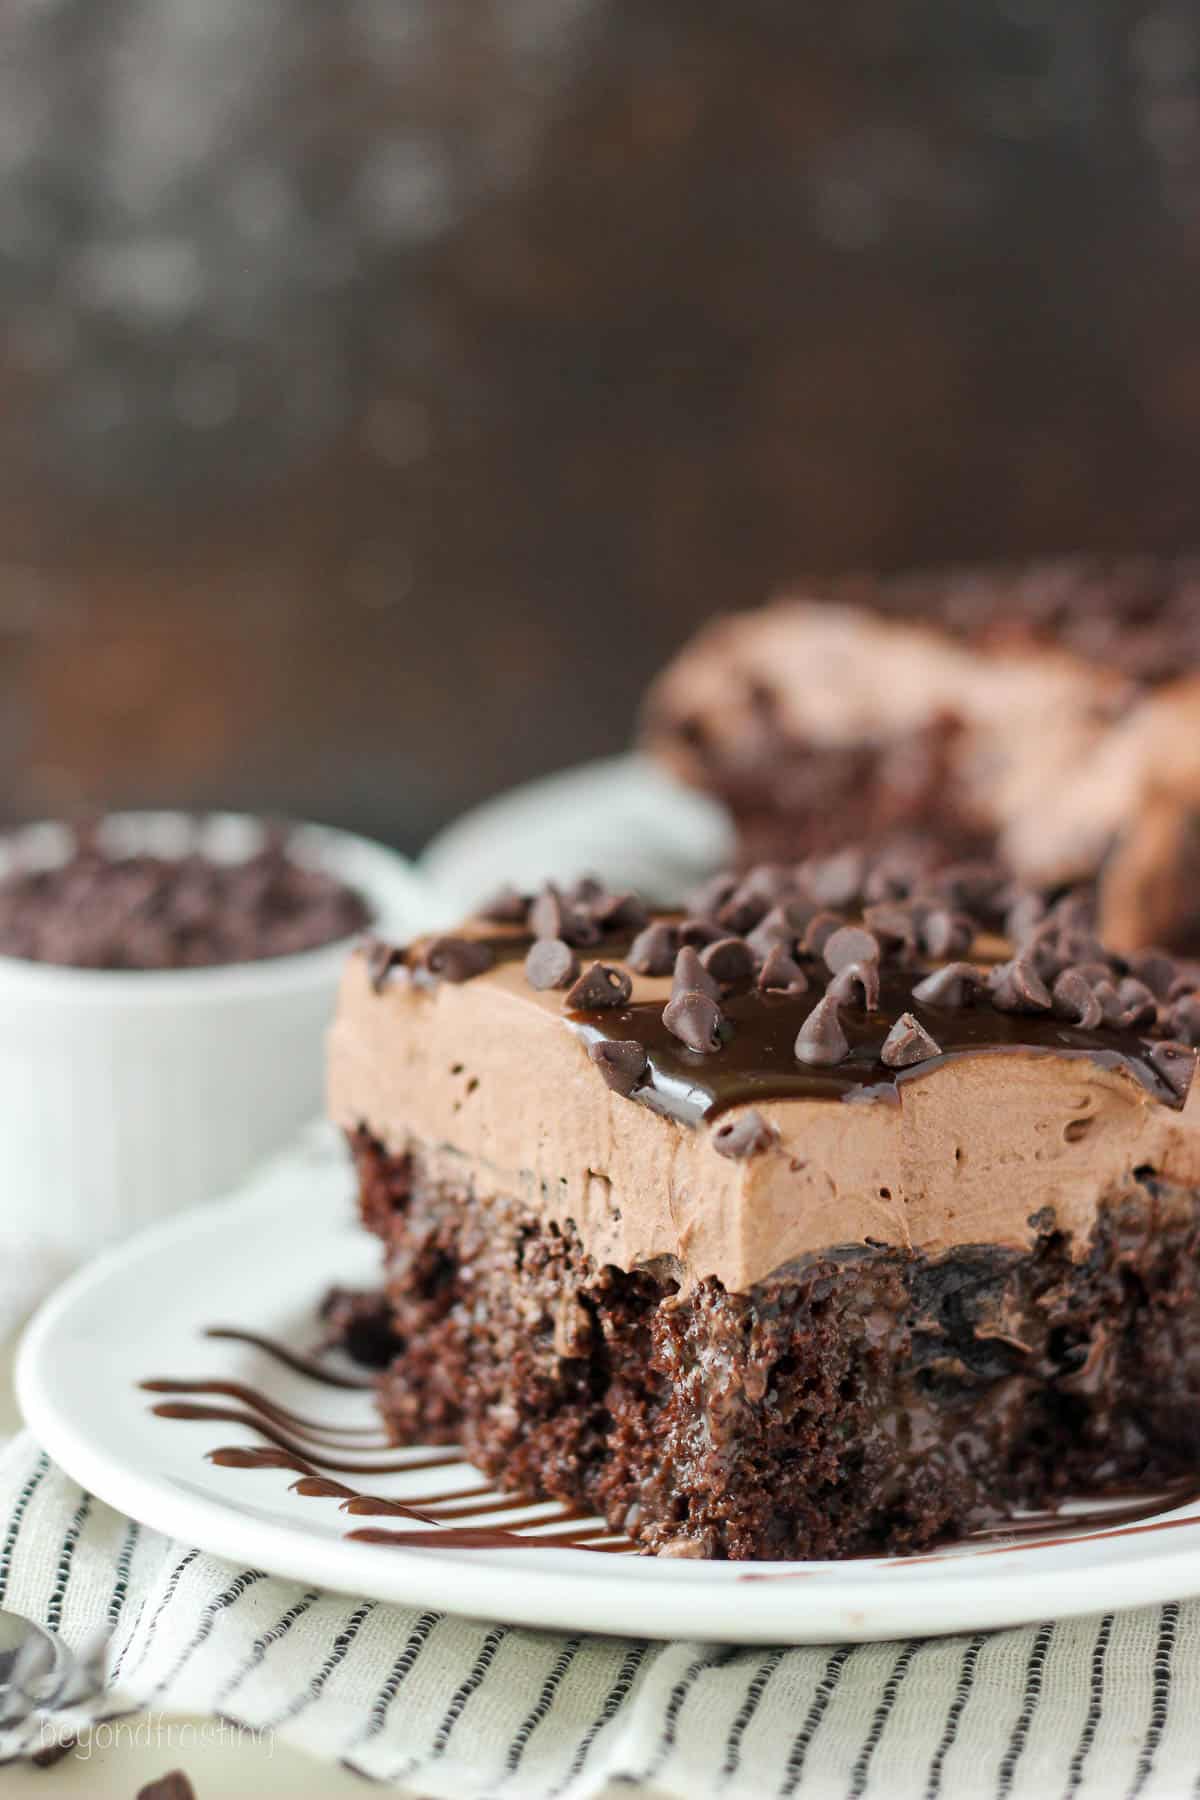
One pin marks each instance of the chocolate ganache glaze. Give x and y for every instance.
(757, 1060)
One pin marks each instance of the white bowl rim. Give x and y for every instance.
(397, 895)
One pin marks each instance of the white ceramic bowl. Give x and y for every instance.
(126, 1095)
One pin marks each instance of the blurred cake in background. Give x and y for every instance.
(1048, 714)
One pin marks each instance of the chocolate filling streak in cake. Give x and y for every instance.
(775, 1231)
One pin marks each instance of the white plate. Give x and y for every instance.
(622, 818)
(261, 1260)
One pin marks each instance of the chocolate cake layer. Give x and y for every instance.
(862, 1400)
(777, 1229)
(1007, 713)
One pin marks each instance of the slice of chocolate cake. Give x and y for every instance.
(826, 1219)
(1048, 715)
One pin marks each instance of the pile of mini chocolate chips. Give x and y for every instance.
(831, 924)
(98, 910)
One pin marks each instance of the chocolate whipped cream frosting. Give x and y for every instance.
(811, 1057)
(1068, 765)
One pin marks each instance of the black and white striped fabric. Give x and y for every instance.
(438, 1706)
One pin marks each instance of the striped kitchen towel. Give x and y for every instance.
(439, 1706)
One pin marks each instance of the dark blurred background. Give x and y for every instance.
(388, 386)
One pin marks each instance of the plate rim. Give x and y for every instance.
(558, 1592)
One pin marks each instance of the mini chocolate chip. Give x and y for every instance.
(748, 1135)
(1183, 1019)
(695, 1019)
(770, 934)
(505, 907)
(706, 901)
(1138, 1005)
(598, 987)
(743, 910)
(551, 964)
(691, 977)
(382, 958)
(784, 925)
(653, 950)
(621, 1061)
(585, 890)
(1156, 969)
(1075, 1001)
(971, 886)
(856, 984)
(836, 880)
(946, 934)
(457, 958)
(849, 944)
(1077, 946)
(1109, 1001)
(781, 972)
(956, 985)
(821, 1040)
(696, 931)
(552, 915)
(1024, 916)
(892, 921)
(1175, 1063)
(174, 1785)
(548, 913)
(1042, 950)
(768, 882)
(819, 930)
(1093, 972)
(1018, 988)
(907, 1043)
(1075, 911)
(729, 960)
(886, 881)
(619, 912)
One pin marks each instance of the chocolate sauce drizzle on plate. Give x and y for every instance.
(317, 1452)
(1117, 1514)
